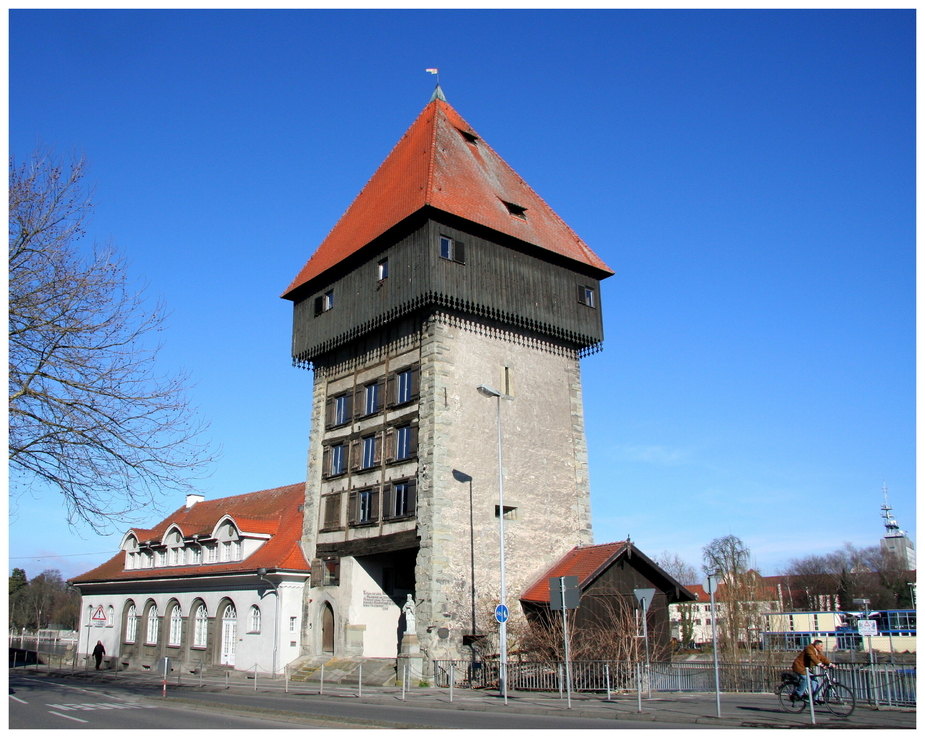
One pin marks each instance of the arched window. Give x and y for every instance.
(253, 622)
(201, 627)
(176, 626)
(151, 630)
(131, 624)
(110, 616)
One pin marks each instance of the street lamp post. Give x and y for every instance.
(463, 477)
(502, 632)
(262, 574)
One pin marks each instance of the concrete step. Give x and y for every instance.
(375, 672)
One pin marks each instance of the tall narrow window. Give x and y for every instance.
(201, 627)
(253, 624)
(341, 410)
(338, 459)
(400, 500)
(403, 389)
(151, 629)
(131, 624)
(176, 626)
(370, 457)
(405, 442)
(365, 506)
(382, 269)
(371, 398)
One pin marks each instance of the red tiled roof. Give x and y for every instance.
(441, 162)
(274, 511)
(762, 590)
(584, 562)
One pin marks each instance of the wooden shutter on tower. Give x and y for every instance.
(352, 508)
(356, 454)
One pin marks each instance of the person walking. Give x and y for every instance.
(98, 652)
(809, 657)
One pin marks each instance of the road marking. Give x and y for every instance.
(22, 702)
(94, 692)
(69, 717)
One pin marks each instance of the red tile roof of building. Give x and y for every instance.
(584, 562)
(442, 163)
(274, 512)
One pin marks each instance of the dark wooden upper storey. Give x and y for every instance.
(445, 223)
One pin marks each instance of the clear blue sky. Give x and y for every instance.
(750, 177)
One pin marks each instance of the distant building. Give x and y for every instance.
(895, 542)
(216, 583)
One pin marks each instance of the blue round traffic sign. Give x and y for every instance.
(501, 613)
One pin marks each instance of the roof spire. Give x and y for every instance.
(438, 94)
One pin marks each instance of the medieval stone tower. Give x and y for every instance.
(447, 273)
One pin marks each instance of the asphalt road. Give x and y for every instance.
(51, 702)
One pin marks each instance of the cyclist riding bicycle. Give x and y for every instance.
(810, 656)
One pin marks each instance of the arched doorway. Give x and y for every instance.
(229, 634)
(327, 628)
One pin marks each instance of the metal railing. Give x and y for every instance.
(878, 685)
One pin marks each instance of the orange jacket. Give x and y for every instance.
(809, 656)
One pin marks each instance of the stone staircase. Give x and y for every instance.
(375, 672)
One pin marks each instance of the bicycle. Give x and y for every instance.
(836, 697)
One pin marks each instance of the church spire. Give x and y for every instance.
(438, 94)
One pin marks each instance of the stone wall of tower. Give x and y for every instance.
(545, 472)
(545, 478)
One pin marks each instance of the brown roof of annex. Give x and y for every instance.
(441, 162)
(276, 513)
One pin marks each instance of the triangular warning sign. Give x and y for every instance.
(98, 614)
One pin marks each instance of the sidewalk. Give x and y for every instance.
(737, 710)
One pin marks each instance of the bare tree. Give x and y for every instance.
(742, 595)
(684, 574)
(825, 581)
(89, 414)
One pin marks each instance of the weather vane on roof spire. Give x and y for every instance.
(438, 91)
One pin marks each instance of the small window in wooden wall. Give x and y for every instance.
(452, 250)
(586, 295)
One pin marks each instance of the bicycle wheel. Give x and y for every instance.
(785, 695)
(839, 699)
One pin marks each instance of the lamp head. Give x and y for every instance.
(461, 476)
(488, 391)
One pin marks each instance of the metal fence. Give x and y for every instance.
(51, 642)
(880, 684)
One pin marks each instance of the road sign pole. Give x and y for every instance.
(568, 666)
(711, 586)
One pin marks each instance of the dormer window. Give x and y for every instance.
(469, 136)
(518, 211)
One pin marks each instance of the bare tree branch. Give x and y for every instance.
(89, 412)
